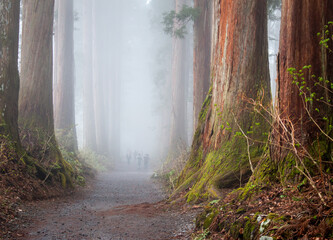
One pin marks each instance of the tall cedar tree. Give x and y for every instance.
(239, 71)
(116, 37)
(100, 78)
(299, 47)
(89, 130)
(179, 79)
(64, 115)
(9, 77)
(35, 99)
(201, 55)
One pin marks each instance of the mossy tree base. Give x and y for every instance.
(44, 157)
(209, 170)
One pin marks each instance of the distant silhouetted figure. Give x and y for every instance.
(146, 161)
(139, 160)
(128, 156)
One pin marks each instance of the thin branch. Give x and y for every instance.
(247, 143)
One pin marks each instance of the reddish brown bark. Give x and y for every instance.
(239, 68)
(220, 158)
(201, 55)
(9, 78)
(299, 46)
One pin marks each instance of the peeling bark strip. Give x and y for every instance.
(9, 78)
(299, 46)
(239, 66)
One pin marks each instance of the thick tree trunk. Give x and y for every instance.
(89, 128)
(219, 157)
(180, 75)
(64, 87)
(240, 68)
(299, 46)
(9, 77)
(35, 100)
(35, 103)
(202, 55)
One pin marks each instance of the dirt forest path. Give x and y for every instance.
(118, 205)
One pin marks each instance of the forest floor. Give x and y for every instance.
(123, 204)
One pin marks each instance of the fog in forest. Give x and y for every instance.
(133, 64)
(166, 119)
(130, 71)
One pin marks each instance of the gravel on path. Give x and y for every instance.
(117, 205)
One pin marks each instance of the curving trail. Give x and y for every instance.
(118, 205)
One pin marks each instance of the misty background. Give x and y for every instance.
(133, 61)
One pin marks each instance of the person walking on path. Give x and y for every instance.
(139, 158)
(146, 161)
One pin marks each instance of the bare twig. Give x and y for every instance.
(247, 143)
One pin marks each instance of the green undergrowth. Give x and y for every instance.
(267, 205)
(236, 226)
(171, 168)
(81, 170)
(60, 170)
(285, 172)
(96, 161)
(68, 169)
(49, 161)
(66, 139)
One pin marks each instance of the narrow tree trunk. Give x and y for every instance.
(114, 74)
(299, 46)
(64, 88)
(202, 55)
(55, 48)
(89, 128)
(9, 77)
(179, 83)
(100, 79)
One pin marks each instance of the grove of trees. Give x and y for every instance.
(215, 52)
